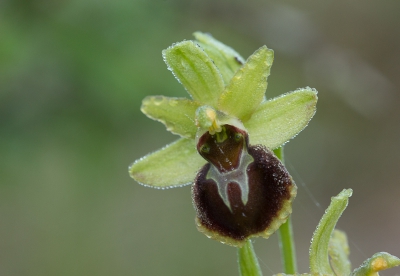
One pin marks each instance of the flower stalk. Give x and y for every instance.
(286, 237)
(247, 259)
(286, 245)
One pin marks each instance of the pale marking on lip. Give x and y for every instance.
(237, 175)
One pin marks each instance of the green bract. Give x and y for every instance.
(339, 252)
(379, 261)
(329, 250)
(223, 89)
(319, 259)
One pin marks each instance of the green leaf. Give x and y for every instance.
(280, 119)
(174, 165)
(177, 114)
(339, 253)
(379, 261)
(319, 261)
(248, 263)
(225, 58)
(195, 70)
(246, 90)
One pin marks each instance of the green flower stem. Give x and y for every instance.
(286, 245)
(286, 239)
(248, 263)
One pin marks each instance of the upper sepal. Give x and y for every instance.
(225, 58)
(195, 70)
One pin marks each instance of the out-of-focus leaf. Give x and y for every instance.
(246, 90)
(227, 60)
(177, 114)
(278, 120)
(379, 261)
(195, 70)
(339, 253)
(173, 166)
(319, 260)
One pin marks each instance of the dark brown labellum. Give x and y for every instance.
(244, 191)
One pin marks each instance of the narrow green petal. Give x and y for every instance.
(227, 60)
(195, 70)
(177, 114)
(379, 261)
(339, 253)
(278, 120)
(173, 166)
(319, 261)
(246, 90)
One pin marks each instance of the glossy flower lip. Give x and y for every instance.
(245, 191)
(227, 152)
(216, 76)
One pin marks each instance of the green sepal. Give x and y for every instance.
(195, 70)
(172, 166)
(225, 58)
(177, 114)
(319, 260)
(379, 261)
(278, 120)
(339, 253)
(248, 263)
(246, 90)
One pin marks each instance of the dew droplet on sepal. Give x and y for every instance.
(270, 191)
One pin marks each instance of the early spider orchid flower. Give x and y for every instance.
(228, 131)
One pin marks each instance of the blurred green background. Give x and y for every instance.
(72, 76)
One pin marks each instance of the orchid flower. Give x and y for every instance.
(227, 130)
